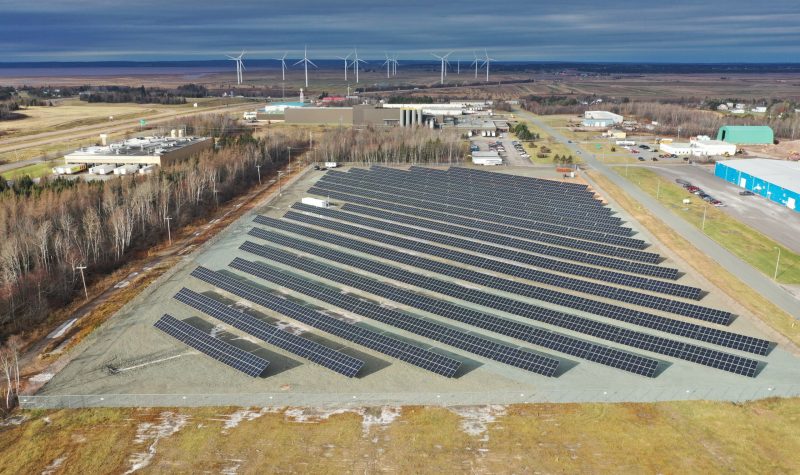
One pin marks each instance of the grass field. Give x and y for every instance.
(728, 283)
(34, 171)
(742, 240)
(556, 147)
(679, 437)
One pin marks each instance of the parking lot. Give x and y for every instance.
(778, 222)
(511, 155)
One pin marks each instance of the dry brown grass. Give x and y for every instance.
(754, 302)
(674, 437)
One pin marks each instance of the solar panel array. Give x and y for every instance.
(603, 290)
(674, 306)
(478, 345)
(221, 351)
(510, 254)
(551, 340)
(390, 346)
(636, 339)
(489, 233)
(417, 206)
(310, 350)
(377, 191)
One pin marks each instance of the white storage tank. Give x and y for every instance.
(314, 202)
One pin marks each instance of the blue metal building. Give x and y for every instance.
(777, 180)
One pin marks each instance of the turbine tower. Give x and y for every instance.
(394, 65)
(239, 66)
(282, 59)
(486, 61)
(305, 62)
(345, 58)
(475, 63)
(356, 61)
(389, 63)
(444, 60)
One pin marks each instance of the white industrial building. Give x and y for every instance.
(152, 150)
(699, 148)
(601, 119)
(486, 158)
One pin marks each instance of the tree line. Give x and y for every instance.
(50, 230)
(391, 145)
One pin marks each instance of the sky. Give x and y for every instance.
(569, 30)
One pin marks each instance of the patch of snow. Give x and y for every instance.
(292, 328)
(475, 420)
(59, 332)
(233, 420)
(233, 468)
(13, 421)
(386, 417)
(169, 423)
(41, 377)
(54, 465)
(215, 331)
(122, 284)
(370, 417)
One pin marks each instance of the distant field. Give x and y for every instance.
(678, 437)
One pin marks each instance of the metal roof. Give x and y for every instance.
(778, 172)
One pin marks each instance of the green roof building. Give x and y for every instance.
(746, 134)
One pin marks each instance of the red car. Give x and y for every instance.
(692, 189)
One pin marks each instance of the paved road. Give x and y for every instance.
(750, 276)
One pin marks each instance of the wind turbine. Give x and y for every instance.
(305, 62)
(475, 63)
(486, 61)
(282, 59)
(394, 65)
(356, 61)
(239, 66)
(345, 58)
(444, 60)
(458, 63)
(389, 63)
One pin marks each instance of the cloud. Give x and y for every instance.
(583, 30)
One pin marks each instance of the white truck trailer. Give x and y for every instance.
(126, 170)
(102, 169)
(315, 202)
(331, 164)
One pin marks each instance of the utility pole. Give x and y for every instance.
(169, 232)
(777, 264)
(83, 278)
(280, 190)
(258, 169)
(705, 208)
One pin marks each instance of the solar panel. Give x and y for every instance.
(488, 244)
(548, 339)
(221, 351)
(614, 293)
(517, 357)
(505, 236)
(303, 347)
(414, 200)
(435, 209)
(393, 347)
(714, 358)
(608, 224)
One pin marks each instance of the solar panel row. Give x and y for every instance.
(544, 200)
(614, 293)
(409, 353)
(491, 233)
(310, 350)
(402, 188)
(221, 351)
(525, 257)
(548, 339)
(478, 190)
(462, 340)
(686, 351)
(411, 198)
(434, 210)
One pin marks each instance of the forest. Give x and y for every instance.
(391, 145)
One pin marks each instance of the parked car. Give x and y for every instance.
(655, 159)
(641, 159)
(692, 189)
(644, 147)
(316, 167)
(717, 203)
(683, 182)
(746, 193)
